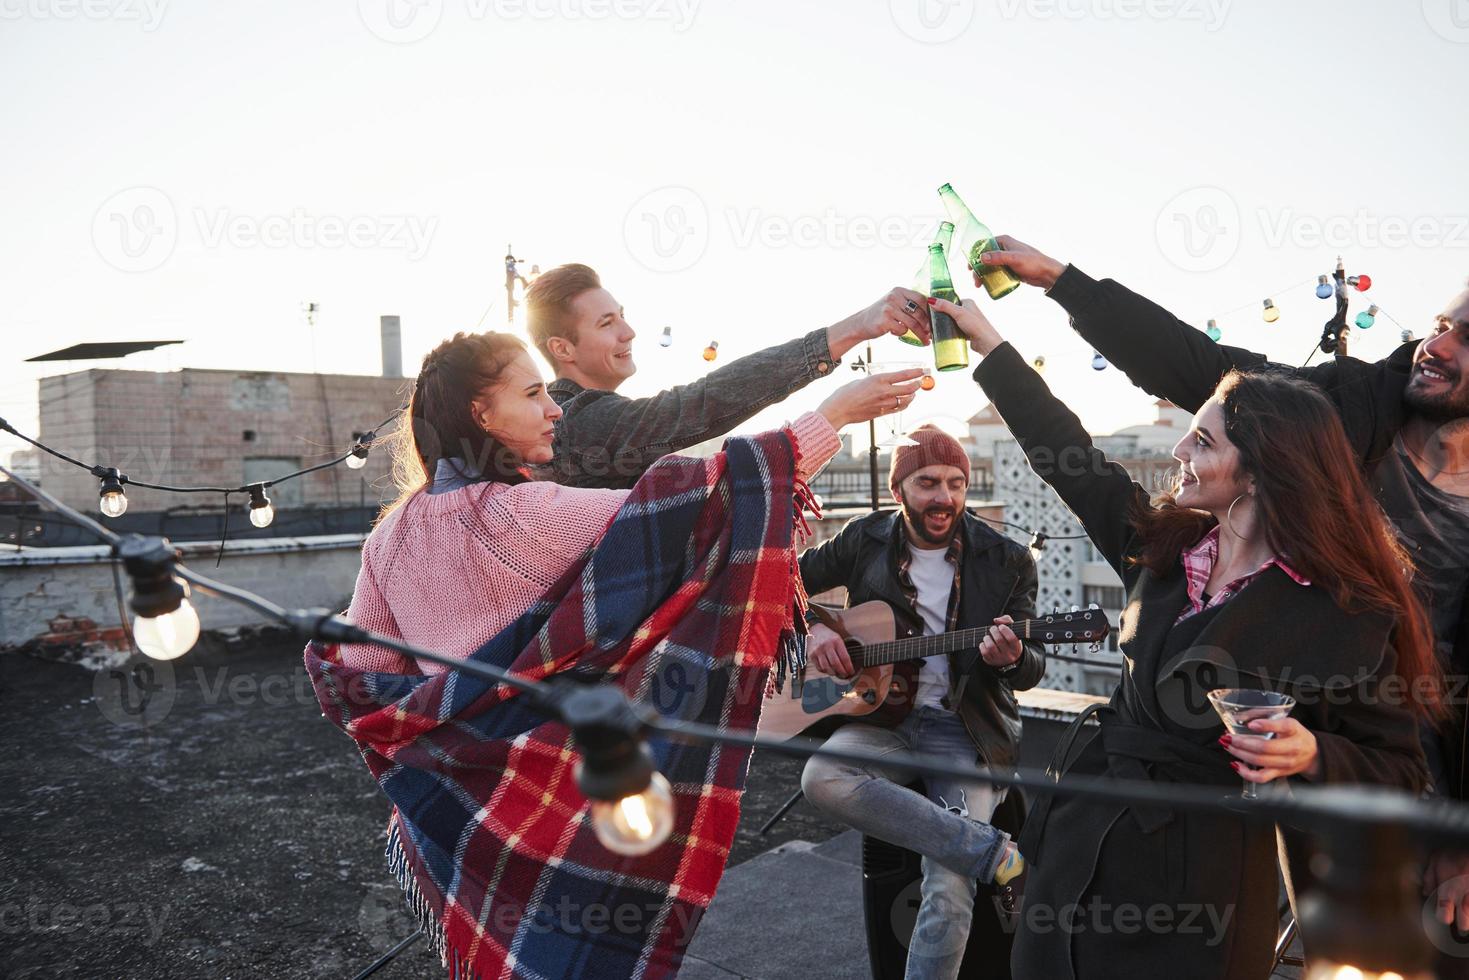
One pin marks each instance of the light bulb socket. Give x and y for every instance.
(1037, 542)
(149, 563)
(112, 480)
(615, 762)
(258, 498)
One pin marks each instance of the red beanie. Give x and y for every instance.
(934, 446)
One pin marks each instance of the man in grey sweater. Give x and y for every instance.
(607, 440)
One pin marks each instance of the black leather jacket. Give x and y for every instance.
(999, 579)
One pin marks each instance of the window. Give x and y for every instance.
(258, 469)
(1104, 596)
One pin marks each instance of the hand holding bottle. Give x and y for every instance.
(897, 312)
(983, 337)
(1028, 264)
(867, 398)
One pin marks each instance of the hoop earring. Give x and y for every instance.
(1229, 517)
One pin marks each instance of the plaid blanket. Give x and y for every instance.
(684, 603)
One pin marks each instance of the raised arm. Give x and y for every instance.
(607, 440)
(1098, 491)
(1170, 359)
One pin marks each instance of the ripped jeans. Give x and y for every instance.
(949, 826)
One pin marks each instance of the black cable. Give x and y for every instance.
(97, 469)
(122, 607)
(1342, 804)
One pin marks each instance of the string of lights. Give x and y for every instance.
(113, 498)
(161, 592)
(1270, 312)
(1369, 833)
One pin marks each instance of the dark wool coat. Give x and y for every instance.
(1147, 892)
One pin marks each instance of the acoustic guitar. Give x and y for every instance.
(882, 692)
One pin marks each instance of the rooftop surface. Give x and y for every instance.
(226, 829)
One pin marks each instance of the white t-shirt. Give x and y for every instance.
(933, 577)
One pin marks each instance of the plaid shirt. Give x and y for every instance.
(955, 557)
(1198, 564)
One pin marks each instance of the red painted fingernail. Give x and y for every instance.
(1225, 739)
(1234, 766)
(932, 301)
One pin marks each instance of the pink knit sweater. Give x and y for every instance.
(448, 571)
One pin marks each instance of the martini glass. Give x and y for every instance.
(895, 436)
(1239, 706)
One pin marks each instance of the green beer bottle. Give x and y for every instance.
(974, 238)
(950, 347)
(921, 280)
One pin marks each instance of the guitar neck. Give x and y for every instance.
(918, 647)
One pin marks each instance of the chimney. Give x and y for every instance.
(392, 337)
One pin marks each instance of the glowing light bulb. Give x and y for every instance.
(357, 460)
(1039, 364)
(1363, 283)
(1099, 363)
(169, 636)
(1214, 332)
(666, 338)
(262, 516)
(1037, 545)
(1324, 288)
(635, 824)
(114, 503)
(712, 351)
(1270, 313)
(1367, 317)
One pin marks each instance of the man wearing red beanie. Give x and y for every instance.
(941, 569)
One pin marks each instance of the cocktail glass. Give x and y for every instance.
(1238, 706)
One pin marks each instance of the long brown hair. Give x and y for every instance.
(439, 421)
(1316, 510)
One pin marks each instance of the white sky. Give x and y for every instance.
(790, 131)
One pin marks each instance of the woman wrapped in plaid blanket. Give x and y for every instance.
(679, 590)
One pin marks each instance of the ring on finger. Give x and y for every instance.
(910, 306)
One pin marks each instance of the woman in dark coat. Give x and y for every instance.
(1268, 566)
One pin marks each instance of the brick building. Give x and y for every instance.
(215, 428)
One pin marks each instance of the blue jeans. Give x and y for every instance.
(949, 826)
